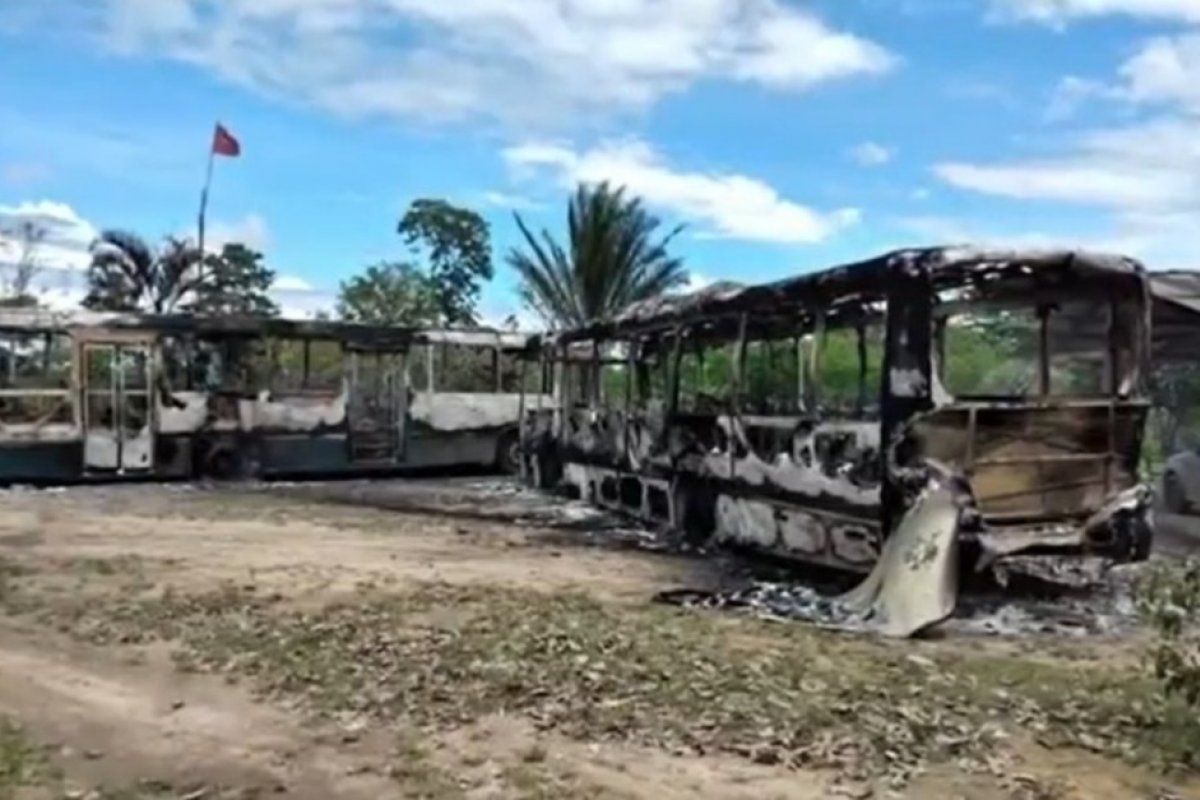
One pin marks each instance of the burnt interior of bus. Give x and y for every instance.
(124, 394)
(806, 411)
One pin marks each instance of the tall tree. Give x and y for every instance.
(456, 244)
(392, 293)
(126, 274)
(235, 282)
(612, 258)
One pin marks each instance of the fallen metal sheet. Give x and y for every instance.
(915, 582)
(913, 586)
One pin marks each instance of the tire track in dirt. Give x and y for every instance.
(116, 723)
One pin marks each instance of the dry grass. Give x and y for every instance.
(441, 657)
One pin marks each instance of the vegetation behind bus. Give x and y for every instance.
(992, 354)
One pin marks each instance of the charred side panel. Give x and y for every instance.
(1037, 462)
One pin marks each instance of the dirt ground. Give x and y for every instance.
(343, 641)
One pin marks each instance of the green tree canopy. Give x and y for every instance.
(234, 282)
(612, 257)
(390, 293)
(456, 245)
(126, 274)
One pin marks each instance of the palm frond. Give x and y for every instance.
(611, 258)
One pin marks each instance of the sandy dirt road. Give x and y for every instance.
(104, 713)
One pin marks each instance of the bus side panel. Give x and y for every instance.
(41, 461)
(304, 455)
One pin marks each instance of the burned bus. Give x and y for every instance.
(88, 395)
(971, 400)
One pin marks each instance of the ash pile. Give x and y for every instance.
(1017, 597)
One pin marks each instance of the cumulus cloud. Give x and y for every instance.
(512, 202)
(725, 205)
(251, 231)
(1061, 11)
(291, 283)
(870, 154)
(67, 235)
(1165, 70)
(1142, 173)
(439, 60)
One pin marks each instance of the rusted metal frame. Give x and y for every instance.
(1056, 404)
(522, 438)
(560, 366)
(1053, 487)
(595, 393)
(1023, 518)
(1112, 360)
(860, 330)
(739, 384)
(33, 392)
(631, 360)
(798, 362)
(939, 340)
(1043, 313)
(815, 353)
(11, 341)
(673, 386)
(972, 432)
(305, 376)
(1062, 458)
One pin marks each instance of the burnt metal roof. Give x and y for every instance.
(1176, 315)
(858, 284)
(354, 334)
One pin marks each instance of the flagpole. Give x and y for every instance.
(204, 196)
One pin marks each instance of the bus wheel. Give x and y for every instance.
(694, 514)
(222, 464)
(508, 453)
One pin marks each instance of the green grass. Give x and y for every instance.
(22, 765)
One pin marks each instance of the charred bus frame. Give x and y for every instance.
(1045, 464)
(102, 396)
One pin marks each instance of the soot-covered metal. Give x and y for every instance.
(110, 395)
(892, 416)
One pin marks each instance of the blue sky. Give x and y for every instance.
(786, 135)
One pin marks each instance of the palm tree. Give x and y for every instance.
(611, 259)
(126, 274)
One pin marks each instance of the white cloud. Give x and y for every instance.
(67, 234)
(1084, 179)
(1162, 242)
(291, 283)
(251, 231)
(870, 154)
(1165, 70)
(514, 202)
(1147, 167)
(440, 60)
(1061, 11)
(727, 205)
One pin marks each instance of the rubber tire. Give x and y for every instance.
(1174, 497)
(508, 453)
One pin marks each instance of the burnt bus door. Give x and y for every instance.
(378, 405)
(118, 427)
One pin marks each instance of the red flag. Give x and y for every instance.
(224, 144)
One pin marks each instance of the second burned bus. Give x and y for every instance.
(102, 396)
(806, 417)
